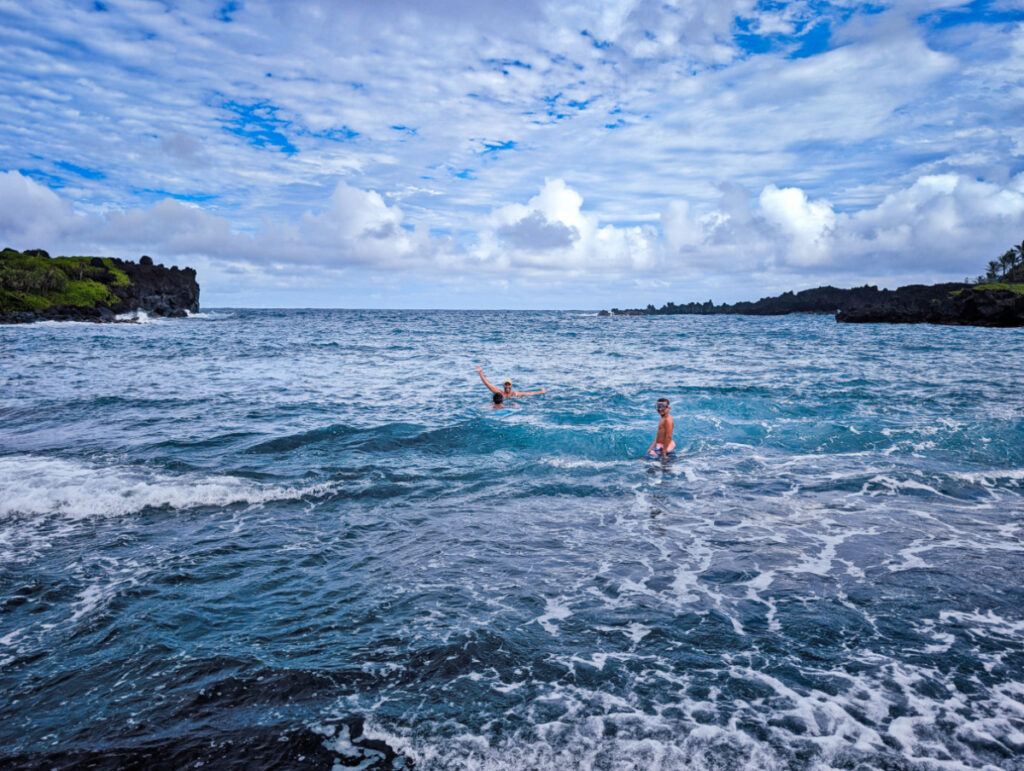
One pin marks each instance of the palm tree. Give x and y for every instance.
(1007, 260)
(1016, 271)
(993, 270)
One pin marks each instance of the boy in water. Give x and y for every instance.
(663, 445)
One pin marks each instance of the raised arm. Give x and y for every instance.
(530, 393)
(480, 372)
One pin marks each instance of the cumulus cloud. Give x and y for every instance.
(942, 226)
(805, 225)
(948, 222)
(555, 234)
(174, 227)
(535, 232)
(354, 227)
(30, 213)
(681, 230)
(947, 225)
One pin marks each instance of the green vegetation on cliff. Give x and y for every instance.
(33, 281)
(1007, 268)
(1016, 288)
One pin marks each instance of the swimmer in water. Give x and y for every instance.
(663, 446)
(507, 391)
(498, 400)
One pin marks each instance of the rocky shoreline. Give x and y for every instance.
(36, 287)
(959, 304)
(951, 304)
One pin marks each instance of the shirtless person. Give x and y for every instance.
(663, 446)
(507, 392)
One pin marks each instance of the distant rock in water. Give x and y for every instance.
(991, 305)
(825, 299)
(35, 286)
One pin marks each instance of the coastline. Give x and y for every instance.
(955, 304)
(37, 287)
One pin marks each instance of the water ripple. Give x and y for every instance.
(289, 538)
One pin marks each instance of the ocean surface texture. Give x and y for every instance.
(302, 539)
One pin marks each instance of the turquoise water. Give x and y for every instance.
(265, 539)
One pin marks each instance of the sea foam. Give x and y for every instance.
(43, 486)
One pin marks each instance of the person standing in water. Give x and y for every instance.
(663, 445)
(507, 392)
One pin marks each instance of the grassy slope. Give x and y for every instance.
(1018, 288)
(31, 282)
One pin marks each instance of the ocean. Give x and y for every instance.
(303, 539)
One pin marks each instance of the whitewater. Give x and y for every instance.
(302, 539)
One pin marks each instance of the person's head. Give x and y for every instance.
(499, 398)
(508, 386)
(662, 406)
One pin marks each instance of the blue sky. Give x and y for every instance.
(455, 154)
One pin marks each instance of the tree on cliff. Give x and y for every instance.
(1005, 267)
(1008, 260)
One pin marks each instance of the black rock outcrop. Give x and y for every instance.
(157, 290)
(824, 299)
(955, 303)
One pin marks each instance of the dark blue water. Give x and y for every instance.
(266, 539)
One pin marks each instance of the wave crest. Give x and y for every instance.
(40, 486)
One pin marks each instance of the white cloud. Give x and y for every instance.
(806, 226)
(450, 137)
(941, 227)
(184, 147)
(680, 229)
(536, 232)
(30, 214)
(948, 222)
(574, 241)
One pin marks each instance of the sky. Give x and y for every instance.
(549, 155)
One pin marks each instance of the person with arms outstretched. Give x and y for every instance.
(507, 391)
(663, 445)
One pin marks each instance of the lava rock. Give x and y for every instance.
(952, 304)
(154, 289)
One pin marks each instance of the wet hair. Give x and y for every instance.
(663, 400)
(499, 397)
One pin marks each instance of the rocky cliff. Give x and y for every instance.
(34, 286)
(990, 305)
